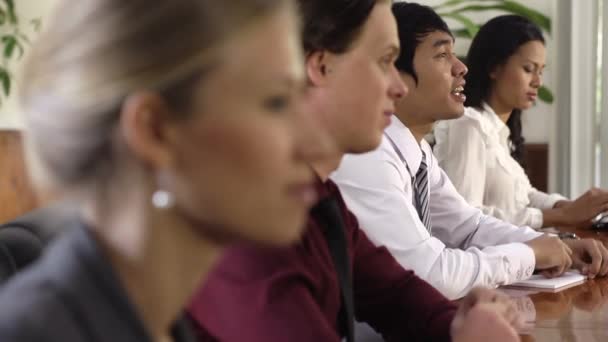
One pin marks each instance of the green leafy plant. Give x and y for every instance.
(13, 42)
(460, 10)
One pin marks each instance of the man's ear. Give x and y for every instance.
(144, 125)
(317, 68)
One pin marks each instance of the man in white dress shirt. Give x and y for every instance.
(404, 200)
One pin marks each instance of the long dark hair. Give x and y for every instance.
(495, 42)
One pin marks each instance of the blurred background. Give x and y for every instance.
(566, 132)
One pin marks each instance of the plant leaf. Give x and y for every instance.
(454, 3)
(545, 95)
(10, 12)
(535, 16)
(20, 49)
(5, 79)
(461, 33)
(448, 4)
(512, 7)
(469, 25)
(12, 16)
(10, 42)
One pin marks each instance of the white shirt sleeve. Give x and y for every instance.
(377, 189)
(541, 200)
(531, 217)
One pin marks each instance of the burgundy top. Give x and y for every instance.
(293, 294)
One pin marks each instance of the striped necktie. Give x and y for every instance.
(421, 188)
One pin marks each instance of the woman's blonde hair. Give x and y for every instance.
(94, 53)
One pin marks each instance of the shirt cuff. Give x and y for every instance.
(549, 203)
(535, 218)
(520, 262)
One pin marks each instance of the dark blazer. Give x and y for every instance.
(71, 294)
(23, 239)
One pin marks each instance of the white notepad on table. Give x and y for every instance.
(568, 279)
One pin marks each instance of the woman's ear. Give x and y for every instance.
(317, 68)
(144, 124)
(495, 72)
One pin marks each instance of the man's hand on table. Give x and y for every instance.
(486, 315)
(589, 256)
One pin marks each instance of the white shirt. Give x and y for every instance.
(477, 145)
(467, 248)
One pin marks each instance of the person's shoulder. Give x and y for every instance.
(472, 121)
(473, 113)
(31, 309)
(383, 152)
(251, 263)
(472, 117)
(367, 168)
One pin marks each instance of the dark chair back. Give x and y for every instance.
(23, 240)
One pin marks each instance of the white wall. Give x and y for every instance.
(27, 10)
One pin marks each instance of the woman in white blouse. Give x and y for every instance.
(482, 151)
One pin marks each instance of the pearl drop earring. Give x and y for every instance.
(162, 199)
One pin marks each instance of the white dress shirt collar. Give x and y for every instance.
(493, 124)
(405, 141)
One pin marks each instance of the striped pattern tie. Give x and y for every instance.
(421, 185)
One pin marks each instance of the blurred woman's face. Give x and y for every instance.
(515, 84)
(241, 160)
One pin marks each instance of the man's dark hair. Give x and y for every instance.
(333, 25)
(414, 22)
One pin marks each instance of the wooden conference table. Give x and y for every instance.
(578, 313)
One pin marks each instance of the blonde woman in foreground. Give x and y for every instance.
(175, 129)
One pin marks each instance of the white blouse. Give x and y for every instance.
(474, 151)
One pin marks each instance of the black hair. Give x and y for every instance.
(333, 25)
(494, 44)
(414, 22)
